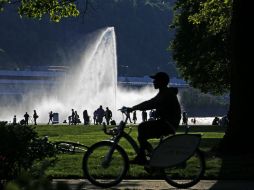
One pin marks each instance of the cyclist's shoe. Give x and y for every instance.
(139, 161)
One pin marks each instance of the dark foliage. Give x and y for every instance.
(20, 147)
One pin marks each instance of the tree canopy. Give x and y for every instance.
(201, 47)
(56, 9)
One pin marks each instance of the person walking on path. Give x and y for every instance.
(128, 117)
(50, 117)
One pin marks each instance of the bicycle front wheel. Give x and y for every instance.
(188, 173)
(104, 170)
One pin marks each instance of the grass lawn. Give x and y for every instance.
(69, 165)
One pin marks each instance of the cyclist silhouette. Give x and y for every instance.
(168, 114)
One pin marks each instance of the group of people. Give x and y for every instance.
(26, 119)
(74, 118)
(98, 116)
(100, 113)
(221, 122)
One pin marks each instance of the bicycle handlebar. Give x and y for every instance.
(119, 127)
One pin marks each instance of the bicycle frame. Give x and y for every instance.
(116, 138)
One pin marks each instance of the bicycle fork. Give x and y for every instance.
(108, 157)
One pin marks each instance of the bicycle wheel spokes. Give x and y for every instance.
(186, 174)
(102, 170)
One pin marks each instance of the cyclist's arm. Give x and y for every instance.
(147, 105)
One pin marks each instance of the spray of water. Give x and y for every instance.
(91, 84)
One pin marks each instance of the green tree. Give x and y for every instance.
(209, 47)
(58, 9)
(201, 46)
(55, 9)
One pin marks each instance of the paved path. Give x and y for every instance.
(162, 185)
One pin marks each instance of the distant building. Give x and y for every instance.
(16, 83)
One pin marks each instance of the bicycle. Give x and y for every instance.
(67, 146)
(173, 157)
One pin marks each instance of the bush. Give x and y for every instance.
(37, 180)
(20, 147)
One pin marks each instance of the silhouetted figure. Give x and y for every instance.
(26, 116)
(51, 117)
(35, 117)
(108, 115)
(72, 116)
(100, 114)
(76, 118)
(69, 119)
(193, 120)
(112, 122)
(134, 117)
(152, 115)
(185, 118)
(168, 114)
(14, 120)
(22, 122)
(128, 117)
(85, 117)
(216, 121)
(224, 121)
(95, 116)
(144, 116)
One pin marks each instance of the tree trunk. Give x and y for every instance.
(239, 135)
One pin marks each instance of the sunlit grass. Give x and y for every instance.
(70, 165)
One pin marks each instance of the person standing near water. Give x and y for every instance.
(108, 115)
(14, 120)
(26, 116)
(35, 116)
(134, 117)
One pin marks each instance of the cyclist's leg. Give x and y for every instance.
(151, 129)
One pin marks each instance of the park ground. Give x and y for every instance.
(162, 185)
(221, 172)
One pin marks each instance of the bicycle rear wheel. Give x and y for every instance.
(186, 174)
(102, 173)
